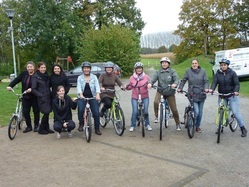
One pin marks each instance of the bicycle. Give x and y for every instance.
(114, 114)
(188, 118)
(141, 115)
(164, 113)
(88, 119)
(16, 121)
(225, 116)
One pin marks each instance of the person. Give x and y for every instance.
(29, 99)
(62, 105)
(58, 78)
(87, 87)
(166, 76)
(228, 82)
(108, 80)
(41, 89)
(197, 84)
(138, 84)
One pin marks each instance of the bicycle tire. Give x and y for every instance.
(220, 124)
(233, 124)
(119, 120)
(21, 119)
(190, 125)
(142, 122)
(12, 129)
(88, 128)
(161, 122)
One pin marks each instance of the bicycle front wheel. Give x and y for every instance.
(119, 120)
(20, 119)
(88, 127)
(233, 124)
(220, 125)
(13, 125)
(142, 122)
(166, 120)
(190, 125)
(161, 122)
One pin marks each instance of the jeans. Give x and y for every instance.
(234, 105)
(198, 110)
(94, 106)
(134, 115)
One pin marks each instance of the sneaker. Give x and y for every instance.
(69, 135)
(156, 120)
(131, 129)
(58, 135)
(178, 127)
(149, 128)
(198, 130)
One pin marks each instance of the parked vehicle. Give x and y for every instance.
(239, 60)
(97, 69)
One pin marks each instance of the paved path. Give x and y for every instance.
(131, 160)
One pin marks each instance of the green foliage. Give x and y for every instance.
(162, 49)
(114, 43)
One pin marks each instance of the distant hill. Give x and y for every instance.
(156, 40)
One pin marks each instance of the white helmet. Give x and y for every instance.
(138, 65)
(165, 59)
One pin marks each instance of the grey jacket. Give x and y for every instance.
(165, 78)
(197, 83)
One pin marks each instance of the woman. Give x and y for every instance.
(138, 83)
(108, 80)
(61, 106)
(87, 87)
(58, 78)
(41, 89)
(29, 99)
(197, 84)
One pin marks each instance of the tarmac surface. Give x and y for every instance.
(129, 160)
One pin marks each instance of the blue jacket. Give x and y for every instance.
(93, 83)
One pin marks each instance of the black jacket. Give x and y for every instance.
(23, 79)
(62, 109)
(228, 82)
(41, 89)
(59, 80)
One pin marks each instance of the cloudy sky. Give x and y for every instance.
(159, 15)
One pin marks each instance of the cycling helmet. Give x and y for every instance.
(138, 65)
(86, 64)
(109, 65)
(224, 60)
(165, 59)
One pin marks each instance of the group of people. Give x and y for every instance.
(49, 93)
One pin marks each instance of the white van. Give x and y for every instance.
(239, 60)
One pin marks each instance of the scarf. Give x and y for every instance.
(138, 77)
(44, 76)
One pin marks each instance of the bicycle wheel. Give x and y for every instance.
(233, 124)
(161, 122)
(20, 119)
(105, 119)
(220, 125)
(88, 128)
(166, 120)
(185, 117)
(12, 130)
(190, 125)
(119, 120)
(142, 121)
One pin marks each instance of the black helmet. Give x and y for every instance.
(224, 60)
(86, 64)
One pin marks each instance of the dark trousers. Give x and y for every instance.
(58, 126)
(26, 105)
(107, 102)
(44, 120)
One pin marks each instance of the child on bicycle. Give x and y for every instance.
(167, 76)
(138, 83)
(88, 87)
(62, 105)
(108, 80)
(228, 82)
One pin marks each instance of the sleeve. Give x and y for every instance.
(215, 81)
(73, 105)
(16, 80)
(79, 86)
(205, 80)
(154, 78)
(34, 86)
(118, 81)
(67, 85)
(175, 77)
(235, 82)
(96, 84)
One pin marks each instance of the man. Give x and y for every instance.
(167, 76)
(228, 82)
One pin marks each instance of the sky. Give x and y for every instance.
(159, 15)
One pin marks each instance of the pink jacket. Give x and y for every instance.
(137, 81)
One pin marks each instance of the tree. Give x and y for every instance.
(162, 49)
(113, 43)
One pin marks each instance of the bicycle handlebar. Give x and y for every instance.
(21, 94)
(221, 94)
